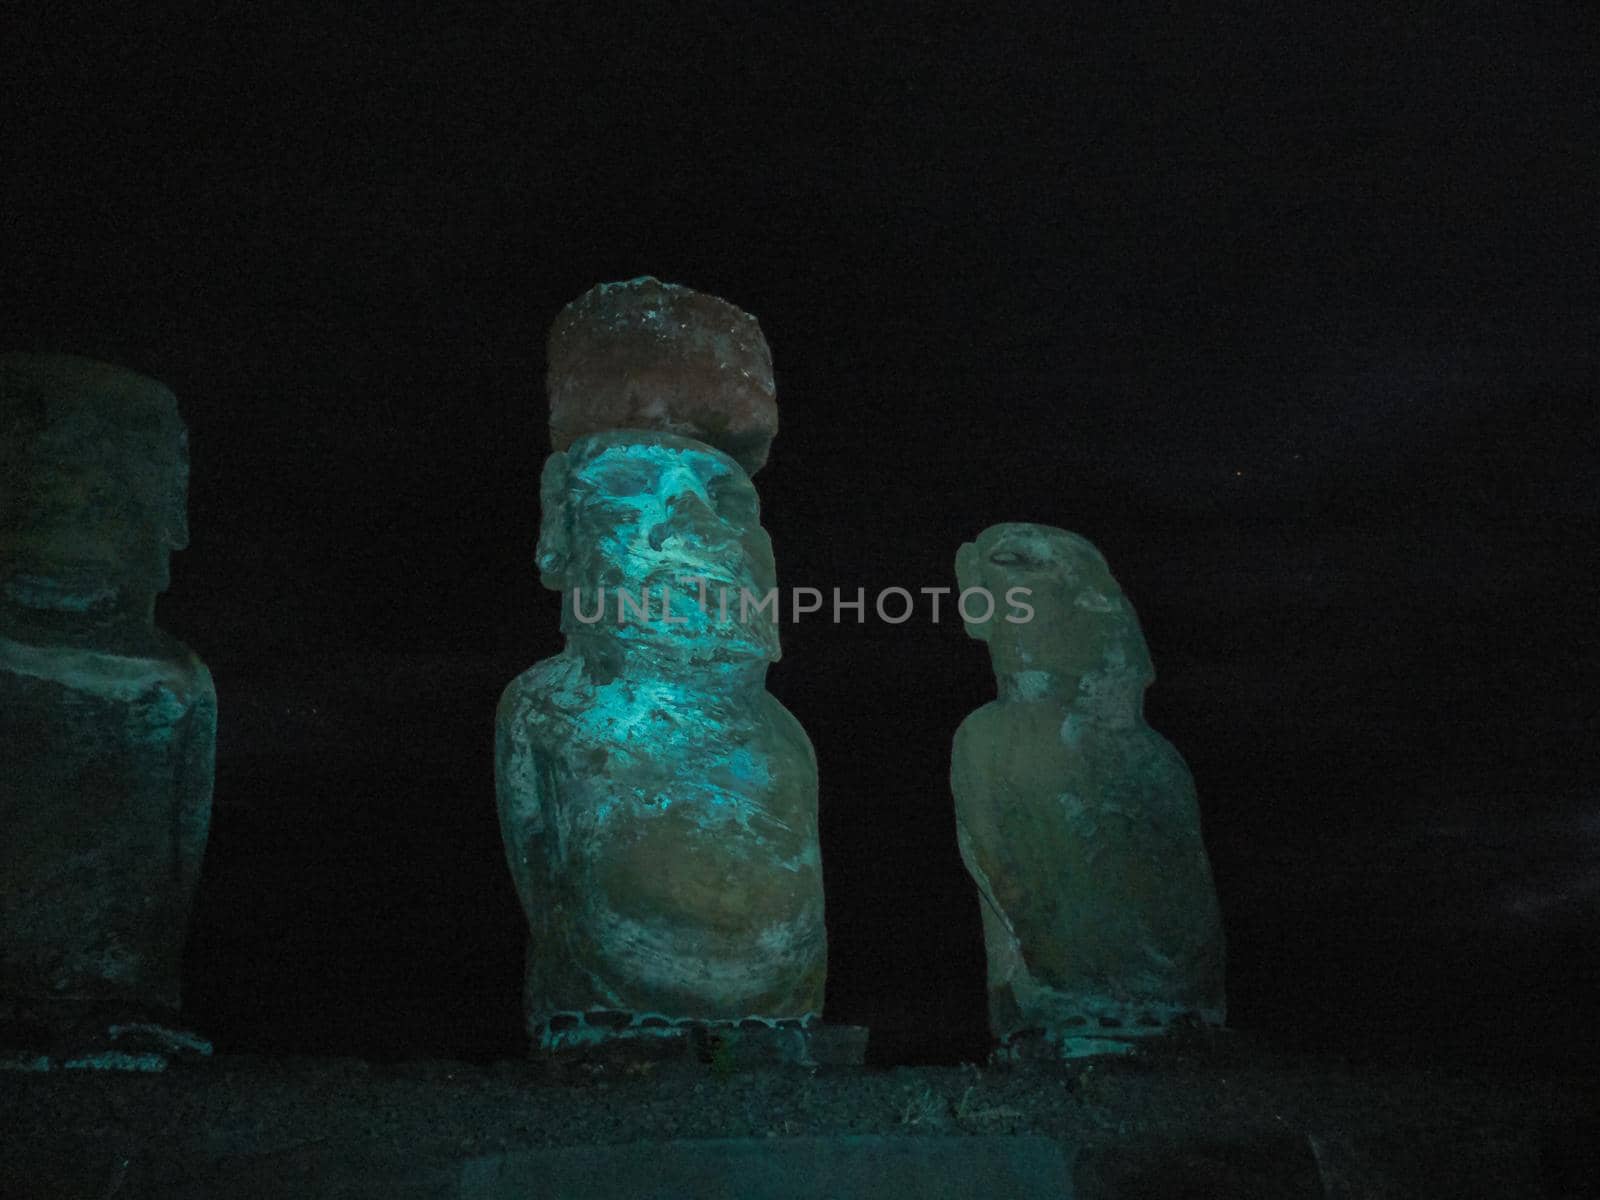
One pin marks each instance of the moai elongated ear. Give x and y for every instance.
(555, 529)
(177, 496)
(969, 574)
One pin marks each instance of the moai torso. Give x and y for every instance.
(105, 806)
(1078, 822)
(107, 725)
(663, 837)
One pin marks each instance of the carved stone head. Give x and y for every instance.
(1081, 628)
(637, 512)
(94, 474)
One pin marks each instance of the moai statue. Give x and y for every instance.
(107, 724)
(658, 805)
(1078, 822)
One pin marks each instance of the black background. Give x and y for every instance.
(1292, 312)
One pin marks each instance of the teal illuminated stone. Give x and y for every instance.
(658, 805)
(107, 724)
(1078, 822)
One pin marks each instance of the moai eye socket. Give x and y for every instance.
(1013, 558)
(627, 479)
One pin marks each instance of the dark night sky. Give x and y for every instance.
(1293, 313)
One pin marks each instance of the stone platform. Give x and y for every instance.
(1215, 1118)
(725, 1045)
(864, 1167)
(92, 1044)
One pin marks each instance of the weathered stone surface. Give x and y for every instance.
(746, 1044)
(93, 477)
(643, 354)
(1263, 1165)
(842, 1167)
(90, 1044)
(107, 724)
(1078, 822)
(659, 807)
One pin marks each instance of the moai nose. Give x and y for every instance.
(691, 519)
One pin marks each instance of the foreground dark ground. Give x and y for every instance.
(1208, 1114)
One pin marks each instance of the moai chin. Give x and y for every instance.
(658, 805)
(1078, 822)
(107, 724)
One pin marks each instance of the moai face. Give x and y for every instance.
(93, 479)
(1081, 629)
(647, 515)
